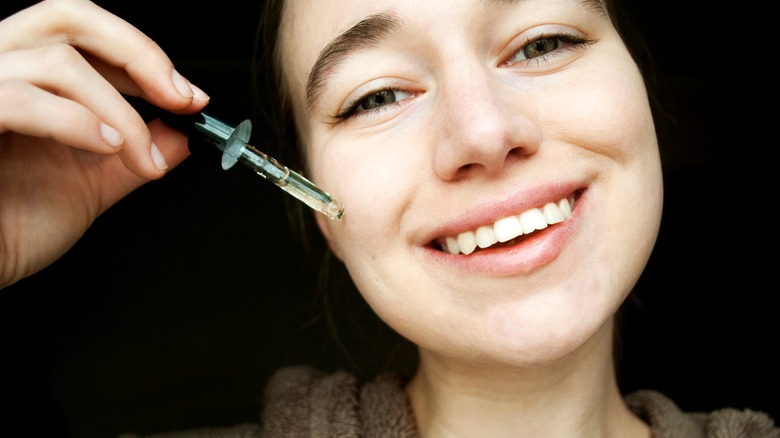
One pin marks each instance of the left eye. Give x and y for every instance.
(538, 48)
(546, 46)
(376, 100)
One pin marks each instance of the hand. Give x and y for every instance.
(70, 144)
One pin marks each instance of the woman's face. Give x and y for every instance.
(444, 125)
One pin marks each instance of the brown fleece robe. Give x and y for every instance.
(306, 402)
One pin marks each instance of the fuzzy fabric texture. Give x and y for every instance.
(306, 402)
(666, 420)
(303, 401)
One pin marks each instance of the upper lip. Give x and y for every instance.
(487, 211)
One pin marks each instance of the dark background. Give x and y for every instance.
(176, 305)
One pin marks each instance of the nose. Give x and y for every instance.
(484, 125)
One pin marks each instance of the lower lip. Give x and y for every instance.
(533, 252)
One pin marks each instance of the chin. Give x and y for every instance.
(539, 335)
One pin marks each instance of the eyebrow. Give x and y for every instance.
(366, 33)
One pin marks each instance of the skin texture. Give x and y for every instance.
(515, 340)
(477, 134)
(70, 145)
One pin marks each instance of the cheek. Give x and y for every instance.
(609, 118)
(604, 116)
(606, 111)
(375, 182)
(376, 185)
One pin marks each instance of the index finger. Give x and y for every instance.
(106, 37)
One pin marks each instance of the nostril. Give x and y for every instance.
(514, 155)
(464, 170)
(518, 153)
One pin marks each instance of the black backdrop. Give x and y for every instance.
(173, 309)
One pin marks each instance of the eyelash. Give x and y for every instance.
(352, 109)
(566, 42)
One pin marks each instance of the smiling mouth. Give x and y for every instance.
(509, 230)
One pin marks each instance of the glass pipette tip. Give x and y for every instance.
(233, 142)
(288, 180)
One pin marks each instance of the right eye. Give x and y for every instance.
(373, 102)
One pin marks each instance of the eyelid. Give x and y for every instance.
(572, 39)
(350, 109)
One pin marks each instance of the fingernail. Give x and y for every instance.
(157, 157)
(111, 135)
(199, 94)
(181, 84)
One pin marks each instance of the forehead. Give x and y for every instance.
(315, 34)
(309, 24)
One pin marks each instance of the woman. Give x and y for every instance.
(502, 182)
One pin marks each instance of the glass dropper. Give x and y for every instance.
(233, 141)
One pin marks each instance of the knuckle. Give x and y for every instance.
(14, 93)
(61, 56)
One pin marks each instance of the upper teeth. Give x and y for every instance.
(509, 227)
